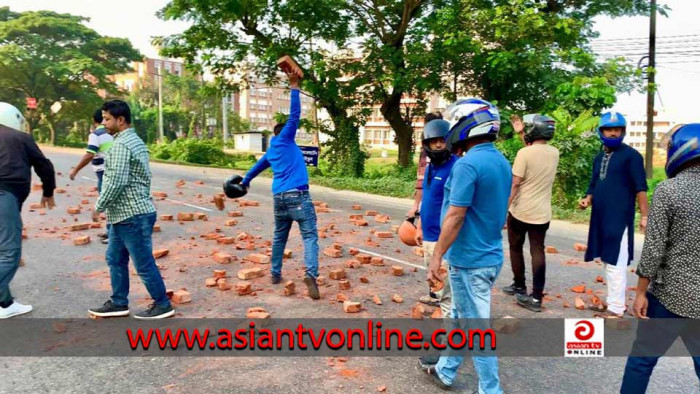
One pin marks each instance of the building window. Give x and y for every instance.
(156, 64)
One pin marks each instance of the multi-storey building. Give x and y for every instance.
(146, 73)
(637, 130)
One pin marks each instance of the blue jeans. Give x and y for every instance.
(290, 207)
(10, 244)
(471, 299)
(132, 237)
(638, 369)
(99, 175)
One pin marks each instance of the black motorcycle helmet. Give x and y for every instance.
(538, 127)
(438, 128)
(233, 187)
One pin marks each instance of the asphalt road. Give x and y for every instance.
(61, 281)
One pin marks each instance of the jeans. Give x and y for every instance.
(132, 238)
(99, 175)
(516, 238)
(471, 299)
(290, 207)
(10, 244)
(638, 369)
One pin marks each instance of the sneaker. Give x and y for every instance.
(102, 236)
(432, 372)
(14, 309)
(276, 279)
(427, 361)
(428, 300)
(155, 312)
(105, 241)
(528, 302)
(313, 287)
(109, 310)
(513, 289)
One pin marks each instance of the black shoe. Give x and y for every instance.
(313, 287)
(428, 361)
(528, 302)
(102, 235)
(109, 310)
(155, 312)
(513, 289)
(276, 279)
(430, 370)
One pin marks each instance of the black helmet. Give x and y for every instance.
(437, 128)
(233, 187)
(538, 127)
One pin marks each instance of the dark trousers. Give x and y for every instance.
(516, 237)
(657, 338)
(10, 244)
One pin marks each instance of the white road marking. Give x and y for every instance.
(189, 205)
(392, 259)
(89, 179)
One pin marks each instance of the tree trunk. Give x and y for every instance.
(391, 109)
(52, 130)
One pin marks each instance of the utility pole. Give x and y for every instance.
(160, 103)
(651, 90)
(224, 118)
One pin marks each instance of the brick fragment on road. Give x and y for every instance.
(180, 183)
(397, 270)
(355, 217)
(357, 207)
(219, 274)
(258, 258)
(551, 250)
(579, 289)
(243, 288)
(287, 254)
(333, 252)
(580, 247)
(384, 234)
(158, 253)
(231, 222)
(344, 284)
(210, 282)
(320, 280)
(371, 213)
(364, 258)
(60, 191)
(580, 305)
(80, 227)
(322, 210)
(223, 285)
(378, 261)
(363, 279)
(353, 252)
(156, 228)
(35, 206)
(201, 216)
(437, 313)
(337, 274)
(223, 258)
(382, 218)
(397, 298)
(250, 273)
(599, 279)
(235, 214)
(376, 300)
(84, 240)
(158, 194)
(418, 251)
(185, 216)
(361, 223)
(72, 210)
(352, 307)
(226, 240)
(352, 264)
(289, 288)
(417, 312)
(182, 297)
(166, 218)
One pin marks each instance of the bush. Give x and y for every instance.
(195, 151)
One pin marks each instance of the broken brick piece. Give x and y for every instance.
(156, 228)
(417, 312)
(223, 258)
(258, 258)
(159, 194)
(418, 251)
(376, 300)
(382, 218)
(384, 234)
(320, 280)
(357, 207)
(166, 218)
(243, 288)
(353, 252)
(580, 247)
(322, 210)
(599, 279)
(210, 282)
(182, 297)
(287, 254)
(185, 216)
(35, 205)
(437, 314)
(235, 214)
(333, 252)
(60, 191)
(289, 288)
(378, 261)
(219, 202)
(337, 274)
(180, 183)
(355, 217)
(344, 284)
(80, 227)
(84, 240)
(352, 264)
(340, 297)
(579, 289)
(551, 250)
(364, 258)
(361, 222)
(371, 213)
(396, 270)
(158, 253)
(580, 305)
(337, 246)
(364, 279)
(73, 210)
(201, 216)
(223, 285)
(352, 307)
(219, 274)
(231, 222)
(397, 298)
(250, 273)
(226, 240)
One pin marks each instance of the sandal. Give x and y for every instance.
(608, 315)
(428, 300)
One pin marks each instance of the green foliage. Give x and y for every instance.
(194, 151)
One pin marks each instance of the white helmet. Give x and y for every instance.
(11, 117)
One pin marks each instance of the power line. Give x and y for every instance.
(644, 38)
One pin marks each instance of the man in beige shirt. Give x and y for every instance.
(530, 205)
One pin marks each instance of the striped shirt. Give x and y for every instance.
(126, 187)
(99, 143)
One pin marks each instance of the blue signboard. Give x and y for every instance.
(310, 155)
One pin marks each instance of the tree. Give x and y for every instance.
(55, 57)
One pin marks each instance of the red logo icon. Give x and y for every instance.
(584, 330)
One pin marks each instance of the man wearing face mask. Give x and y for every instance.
(618, 179)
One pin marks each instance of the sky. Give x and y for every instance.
(678, 73)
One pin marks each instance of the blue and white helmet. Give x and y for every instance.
(611, 120)
(470, 118)
(683, 146)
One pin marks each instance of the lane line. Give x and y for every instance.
(89, 179)
(392, 259)
(189, 205)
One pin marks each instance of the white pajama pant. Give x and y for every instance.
(616, 277)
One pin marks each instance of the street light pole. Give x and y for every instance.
(651, 89)
(160, 103)
(224, 118)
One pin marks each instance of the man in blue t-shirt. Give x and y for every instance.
(473, 213)
(428, 224)
(290, 187)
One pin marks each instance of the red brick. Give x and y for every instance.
(352, 264)
(158, 194)
(84, 240)
(376, 300)
(378, 261)
(337, 274)
(340, 297)
(353, 252)
(258, 258)
(320, 280)
(364, 279)
(99, 225)
(223, 285)
(579, 289)
(599, 279)
(361, 223)
(344, 284)
(185, 216)
(181, 297)
(35, 205)
(437, 313)
(417, 312)
(289, 288)
(397, 298)
(226, 240)
(355, 217)
(242, 236)
(395, 229)
(580, 305)
(248, 203)
(231, 222)
(418, 251)
(243, 288)
(364, 258)
(235, 214)
(156, 228)
(180, 183)
(201, 216)
(166, 218)
(397, 270)
(73, 210)
(322, 210)
(212, 236)
(352, 307)
(580, 247)
(371, 213)
(219, 274)
(287, 254)
(357, 207)
(551, 250)
(158, 253)
(338, 246)
(250, 273)
(223, 258)
(60, 191)
(80, 227)
(382, 218)
(333, 252)
(210, 282)
(384, 234)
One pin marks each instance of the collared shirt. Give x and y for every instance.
(99, 143)
(126, 186)
(671, 253)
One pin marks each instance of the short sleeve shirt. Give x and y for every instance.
(99, 143)
(537, 165)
